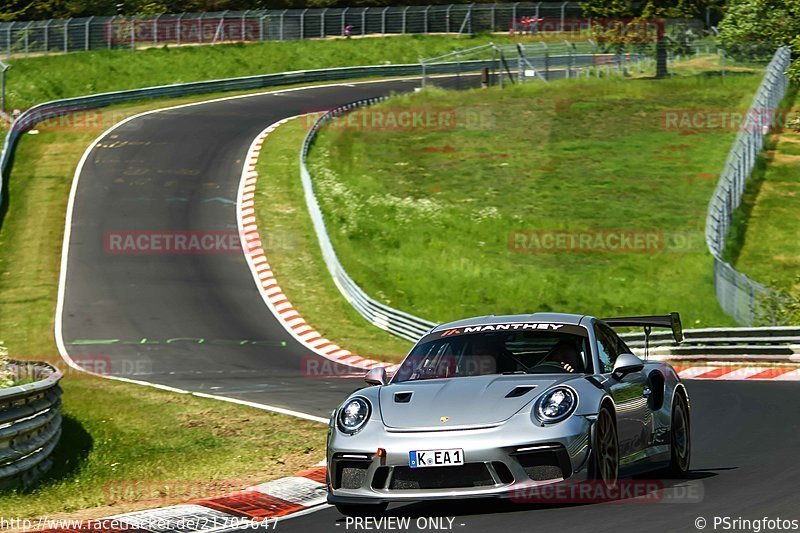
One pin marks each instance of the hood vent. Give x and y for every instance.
(520, 390)
(402, 397)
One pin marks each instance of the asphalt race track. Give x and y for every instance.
(744, 464)
(197, 322)
(191, 321)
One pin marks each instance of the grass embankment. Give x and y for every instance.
(768, 247)
(123, 446)
(38, 79)
(294, 254)
(441, 221)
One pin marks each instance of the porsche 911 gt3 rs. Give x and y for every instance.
(493, 405)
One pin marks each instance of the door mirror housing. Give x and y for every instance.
(626, 364)
(376, 376)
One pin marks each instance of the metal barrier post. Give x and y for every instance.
(3, 69)
(364, 21)
(383, 20)
(47, 36)
(302, 23)
(28, 25)
(179, 27)
(66, 35)
(404, 20)
(447, 18)
(87, 30)
(155, 30)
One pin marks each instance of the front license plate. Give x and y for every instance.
(426, 458)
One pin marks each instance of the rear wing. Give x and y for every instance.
(672, 321)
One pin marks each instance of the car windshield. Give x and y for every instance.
(454, 353)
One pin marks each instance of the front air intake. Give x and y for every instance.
(520, 390)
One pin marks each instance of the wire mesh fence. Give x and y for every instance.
(134, 32)
(741, 297)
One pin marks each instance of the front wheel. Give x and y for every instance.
(680, 445)
(365, 510)
(605, 463)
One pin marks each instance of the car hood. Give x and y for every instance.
(449, 403)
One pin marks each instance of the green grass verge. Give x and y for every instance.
(114, 435)
(768, 224)
(422, 219)
(294, 256)
(38, 79)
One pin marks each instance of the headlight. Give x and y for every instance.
(353, 415)
(556, 405)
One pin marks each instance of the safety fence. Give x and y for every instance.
(738, 295)
(30, 422)
(133, 32)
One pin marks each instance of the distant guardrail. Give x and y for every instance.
(780, 344)
(56, 108)
(30, 423)
(738, 295)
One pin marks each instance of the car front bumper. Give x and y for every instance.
(500, 461)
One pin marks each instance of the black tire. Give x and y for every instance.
(680, 439)
(361, 509)
(604, 466)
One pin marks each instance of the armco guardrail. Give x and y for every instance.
(392, 320)
(30, 423)
(387, 318)
(761, 344)
(738, 295)
(56, 108)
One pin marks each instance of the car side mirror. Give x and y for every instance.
(376, 376)
(626, 363)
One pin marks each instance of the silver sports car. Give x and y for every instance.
(497, 405)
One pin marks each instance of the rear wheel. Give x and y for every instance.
(680, 446)
(605, 464)
(362, 509)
